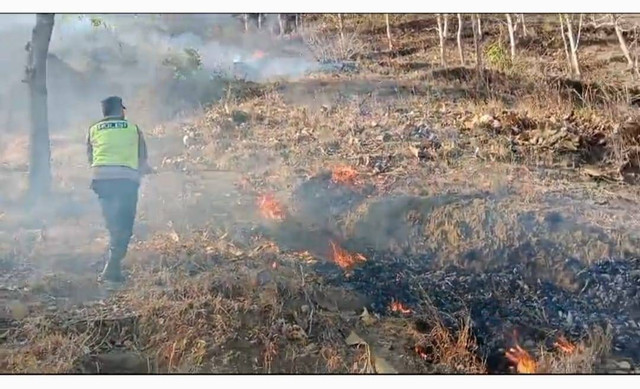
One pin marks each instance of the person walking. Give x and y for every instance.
(117, 153)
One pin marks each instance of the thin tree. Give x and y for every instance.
(459, 39)
(386, 19)
(623, 44)
(341, 27)
(445, 32)
(440, 24)
(476, 44)
(566, 45)
(245, 17)
(479, 26)
(635, 43)
(574, 42)
(281, 24)
(36, 79)
(259, 21)
(524, 26)
(512, 37)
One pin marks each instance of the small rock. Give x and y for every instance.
(305, 309)
(186, 141)
(623, 365)
(117, 362)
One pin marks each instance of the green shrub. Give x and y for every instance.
(184, 64)
(498, 57)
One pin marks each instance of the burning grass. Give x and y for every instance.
(218, 303)
(565, 357)
(344, 175)
(522, 360)
(565, 346)
(397, 306)
(583, 357)
(343, 258)
(270, 208)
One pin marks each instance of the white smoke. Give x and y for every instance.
(124, 55)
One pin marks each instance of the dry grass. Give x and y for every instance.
(204, 299)
(582, 359)
(456, 351)
(50, 353)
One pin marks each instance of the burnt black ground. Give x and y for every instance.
(506, 299)
(503, 289)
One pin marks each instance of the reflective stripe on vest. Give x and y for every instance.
(114, 143)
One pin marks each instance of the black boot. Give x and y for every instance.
(112, 271)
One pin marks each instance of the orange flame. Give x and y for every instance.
(270, 208)
(397, 306)
(343, 258)
(564, 345)
(525, 364)
(344, 175)
(258, 54)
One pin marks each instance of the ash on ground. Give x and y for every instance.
(509, 298)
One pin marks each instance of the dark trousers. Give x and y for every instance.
(118, 200)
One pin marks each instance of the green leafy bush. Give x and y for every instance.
(184, 64)
(498, 57)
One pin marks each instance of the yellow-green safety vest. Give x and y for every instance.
(114, 143)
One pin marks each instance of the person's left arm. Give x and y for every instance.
(89, 148)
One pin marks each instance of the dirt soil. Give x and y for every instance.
(401, 218)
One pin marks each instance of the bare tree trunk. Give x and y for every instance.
(36, 78)
(445, 32)
(623, 43)
(245, 18)
(459, 39)
(281, 24)
(524, 26)
(512, 38)
(566, 46)
(341, 27)
(476, 44)
(635, 66)
(479, 26)
(574, 41)
(443, 62)
(259, 21)
(386, 19)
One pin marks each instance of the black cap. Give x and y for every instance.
(112, 105)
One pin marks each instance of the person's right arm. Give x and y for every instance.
(143, 155)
